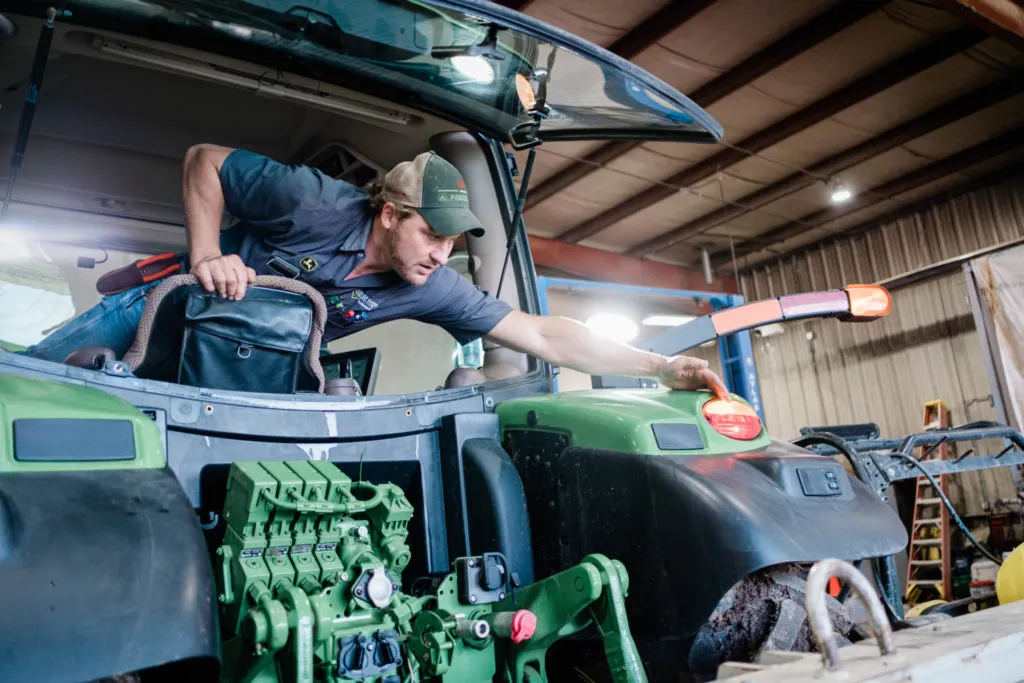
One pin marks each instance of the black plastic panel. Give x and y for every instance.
(455, 431)
(678, 437)
(498, 519)
(100, 573)
(819, 481)
(63, 439)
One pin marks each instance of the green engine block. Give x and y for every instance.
(310, 583)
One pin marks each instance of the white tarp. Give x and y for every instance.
(1000, 278)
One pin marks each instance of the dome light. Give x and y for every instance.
(474, 67)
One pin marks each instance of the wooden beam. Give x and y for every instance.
(899, 70)
(1002, 19)
(905, 183)
(1012, 172)
(943, 115)
(607, 266)
(800, 40)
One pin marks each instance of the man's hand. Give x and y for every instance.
(227, 275)
(686, 373)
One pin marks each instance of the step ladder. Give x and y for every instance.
(928, 561)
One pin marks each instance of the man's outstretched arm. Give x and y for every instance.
(203, 199)
(568, 343)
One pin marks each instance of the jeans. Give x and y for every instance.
(111, 323)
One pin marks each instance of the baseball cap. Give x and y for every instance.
(437, 191)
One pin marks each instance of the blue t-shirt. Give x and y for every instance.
(298, 222)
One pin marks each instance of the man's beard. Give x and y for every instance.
(405, 270)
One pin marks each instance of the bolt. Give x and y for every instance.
(344, 576)
(501, 596)
(358, 591)
(472, 563)
(472, 599)
(891, 471)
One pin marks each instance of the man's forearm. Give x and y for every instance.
(203, 200)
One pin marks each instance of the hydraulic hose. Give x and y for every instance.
(949, 506)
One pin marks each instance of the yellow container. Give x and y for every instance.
(1010, 580)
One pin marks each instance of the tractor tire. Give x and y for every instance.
(763, 611)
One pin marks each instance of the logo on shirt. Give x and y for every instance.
(308, 264)
(365, 302)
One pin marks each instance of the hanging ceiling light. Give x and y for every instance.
(839, 193)
(613, 326)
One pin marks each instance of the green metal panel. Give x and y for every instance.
(30, 398)
(620, 419)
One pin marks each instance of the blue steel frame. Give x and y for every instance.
(736, 350)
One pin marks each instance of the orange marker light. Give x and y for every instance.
(868, 302)
(525, 91)
(732, 419)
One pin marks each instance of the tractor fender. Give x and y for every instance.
(688, 528)
(102, 572)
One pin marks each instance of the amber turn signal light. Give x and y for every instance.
(867, 302)
(525, 91)
(732, 419)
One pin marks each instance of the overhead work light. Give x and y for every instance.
(839, 193)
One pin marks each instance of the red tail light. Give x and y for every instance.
(732, 419)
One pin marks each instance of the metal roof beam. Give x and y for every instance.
(802, 39)
(943, 115)
(607, 266)
(899, 70)
(905, 183)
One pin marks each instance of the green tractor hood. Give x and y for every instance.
(642, 421)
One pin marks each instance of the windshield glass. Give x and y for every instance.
(461, 64)
(44, 285)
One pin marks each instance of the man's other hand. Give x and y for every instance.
(227, 275)
(687, 373)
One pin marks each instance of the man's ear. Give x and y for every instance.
(389, 215)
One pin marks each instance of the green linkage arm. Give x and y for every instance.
(610, 614)
(561, 603)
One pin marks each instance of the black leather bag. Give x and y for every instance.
(256, 344)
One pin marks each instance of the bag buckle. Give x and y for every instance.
(244, 351)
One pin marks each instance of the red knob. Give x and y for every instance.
(524, 625)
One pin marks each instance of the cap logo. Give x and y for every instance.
(308, 264)
(461, 183)
(452, 195)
